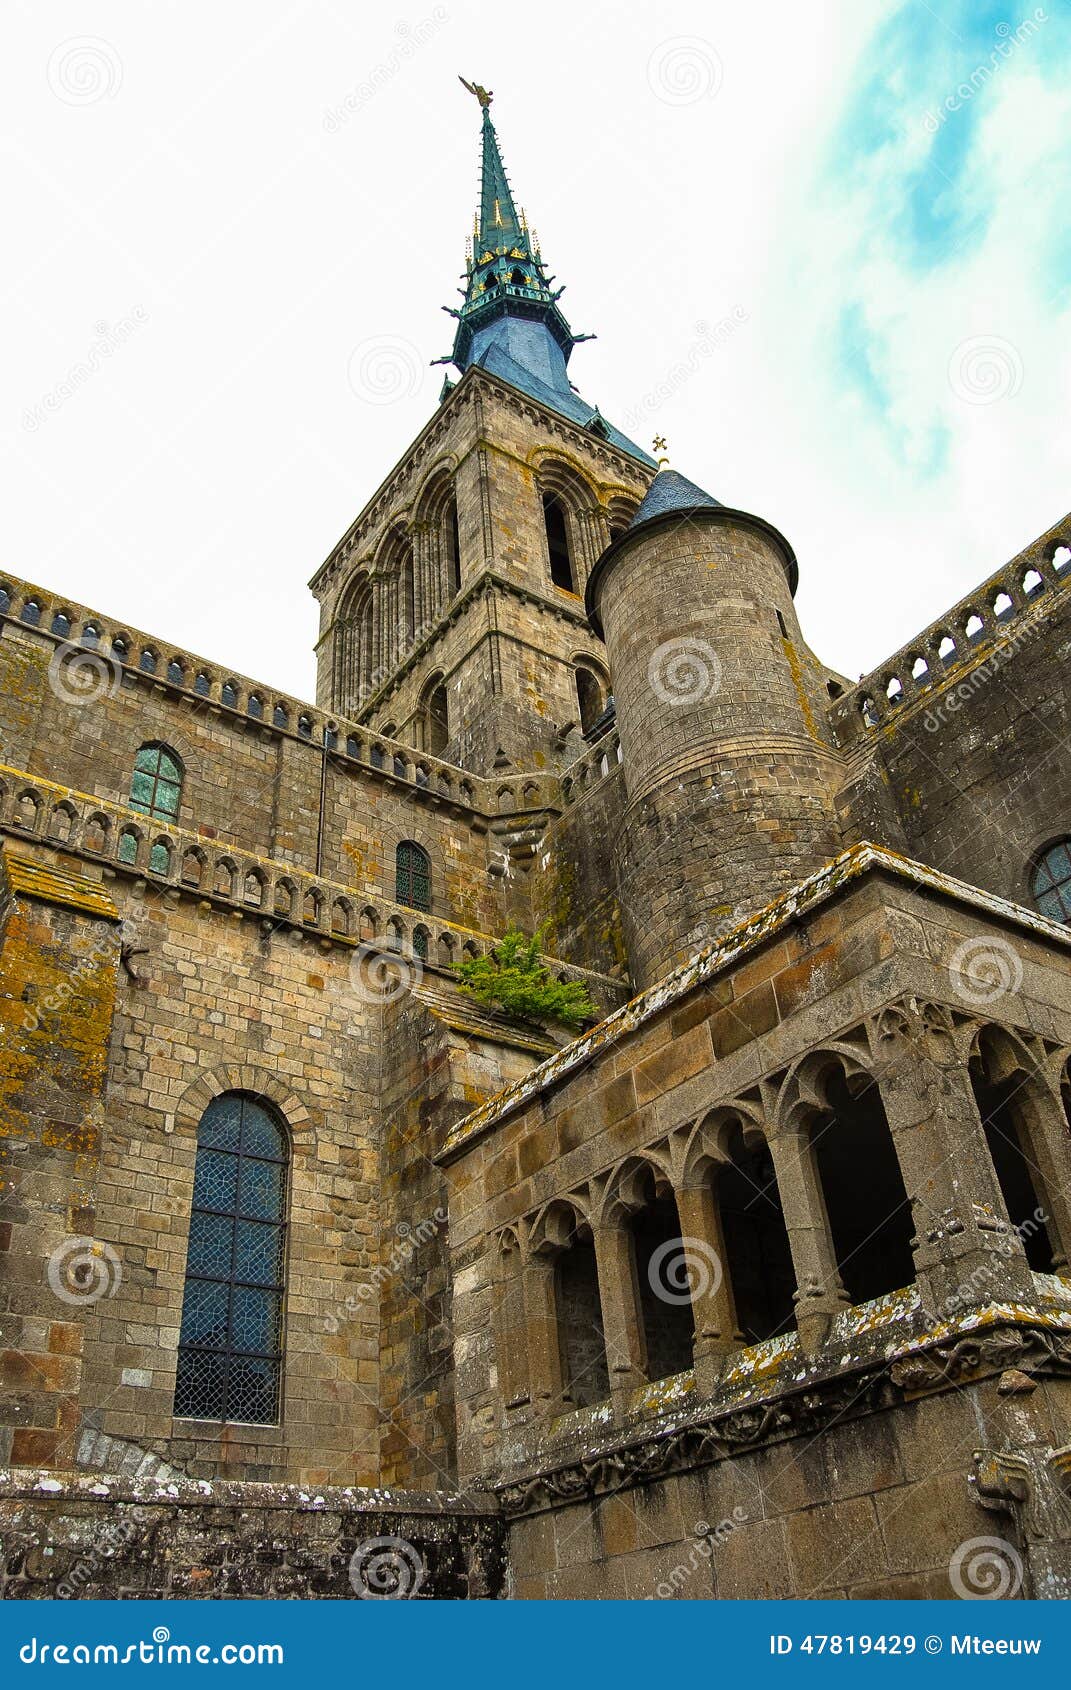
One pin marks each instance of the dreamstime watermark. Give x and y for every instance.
(986, 1569)
(684, 671)
(407, 1241)
(387, 1569)
(982, 74)
(682, 1269)
(985, 969)
(979, 1283)
(707, 1538)
(385, 369)
(99, 952)
(383, 976)
(85, 69)
(108, 1540)
(985, 368)
(962, 693)
(684, 69)
(108, 338)
(711, 340)
(83, 1270)
(80, 675)
(412, 38)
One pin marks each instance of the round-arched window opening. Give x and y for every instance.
(1051, 883)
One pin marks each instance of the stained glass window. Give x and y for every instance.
(155, 791)
(412, 876)
(230, 1343)
(1052, 882)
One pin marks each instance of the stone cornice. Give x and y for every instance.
(831, 881)
(822, 1392)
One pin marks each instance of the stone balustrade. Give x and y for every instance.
(997, 613)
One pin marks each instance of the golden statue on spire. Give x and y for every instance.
(484, 95)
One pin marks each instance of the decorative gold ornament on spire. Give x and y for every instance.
(659, 444)
(484, 95)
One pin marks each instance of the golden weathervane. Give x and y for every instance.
(484, 95)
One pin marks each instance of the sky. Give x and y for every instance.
(825, 251)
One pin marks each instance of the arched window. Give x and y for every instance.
(452, 541)
(412, 880)
(435, 711)
(590, 697)
(155, 790)
(1051, 884)
(561, 560)
(230, 1341)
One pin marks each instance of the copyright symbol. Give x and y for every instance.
(933, 1645)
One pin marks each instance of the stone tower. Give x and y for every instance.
(729, 762)
(452, 611)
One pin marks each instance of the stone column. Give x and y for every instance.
(820, 1294)
(966, 1250)
(622, 1319)
(716, 1332)
(510, 1326)
(541, 1322)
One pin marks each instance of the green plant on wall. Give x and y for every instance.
(514, 978)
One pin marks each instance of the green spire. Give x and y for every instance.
(500, 228)
(504, 273)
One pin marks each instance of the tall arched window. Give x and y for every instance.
(231, 1339)
(452, 542)
(412, 877)
(435, 717)
(1051, 884)
(558, 548)
(155, 790)
(589, 697)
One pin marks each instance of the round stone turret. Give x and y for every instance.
(729, 764)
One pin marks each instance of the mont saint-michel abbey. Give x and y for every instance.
(321, 1278)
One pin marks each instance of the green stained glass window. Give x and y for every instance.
(412, 876)
(156, 785)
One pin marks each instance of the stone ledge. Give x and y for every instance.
(819, 1393)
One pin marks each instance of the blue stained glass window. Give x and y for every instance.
(230, 1344)
(1052, 882)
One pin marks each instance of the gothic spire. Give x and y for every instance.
(504, 274)
(509, 322)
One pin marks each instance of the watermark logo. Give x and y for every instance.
(985, 368)
(383, 977)
(684, 69)
(85, 69)
(384, 369)
(411, 37)
(83, 1270)
(986, 1569)
(80, 676)
(683, 1268)
(386, 1569)
(684, 671)
(985, 969)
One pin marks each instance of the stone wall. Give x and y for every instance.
(86, 1539)
(961, 767)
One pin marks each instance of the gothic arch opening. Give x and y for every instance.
(591, 695)
(559, 547)
(866, 1203)
(758, 1260)
(1009, 1101)
(578, 1306)
(662, 1279)
(435, 717)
